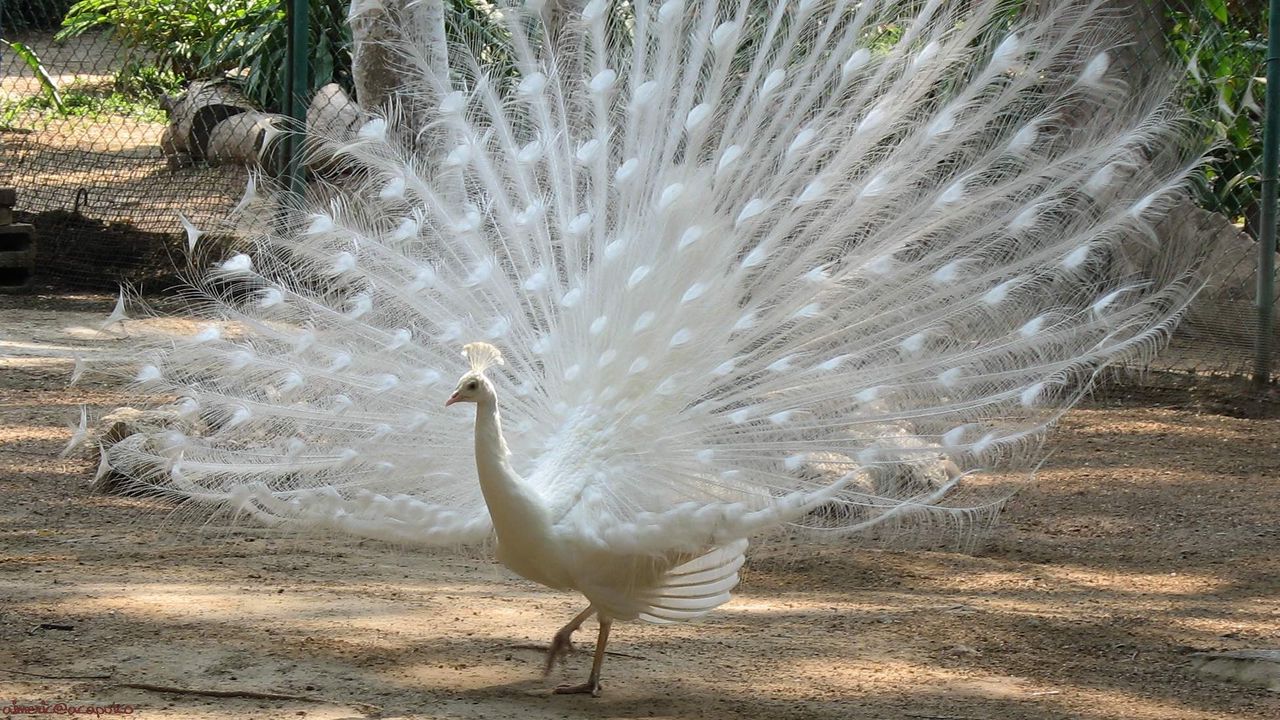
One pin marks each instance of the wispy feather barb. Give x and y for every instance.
(750, 263)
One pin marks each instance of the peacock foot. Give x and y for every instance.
(561, 645)
(590, 686)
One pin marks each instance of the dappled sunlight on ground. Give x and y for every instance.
(1149, 534)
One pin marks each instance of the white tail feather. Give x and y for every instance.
(744, 264)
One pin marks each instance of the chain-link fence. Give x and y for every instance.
(116, 117)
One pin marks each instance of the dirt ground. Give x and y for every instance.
(1150, 533)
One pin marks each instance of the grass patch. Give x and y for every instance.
(84, 103)
(135, 93)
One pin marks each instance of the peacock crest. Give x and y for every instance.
(481, 356)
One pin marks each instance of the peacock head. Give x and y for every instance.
(474, 386)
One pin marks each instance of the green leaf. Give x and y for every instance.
(33, 61)
(1219, 9)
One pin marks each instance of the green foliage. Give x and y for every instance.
(145, 81)
(85, 102)
(245, 39)
(28, 56)
(1225, 58)
(32, 14)
(251, 46)
(168, 31)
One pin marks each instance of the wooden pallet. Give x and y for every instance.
(17, 247)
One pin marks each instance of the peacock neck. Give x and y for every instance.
(512, 506)
(491, 447)
(520, 518)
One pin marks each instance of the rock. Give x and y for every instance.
(1248, 667)
(1224, 313)
(243, 139)
(114, 427)
(197, 111)
(118, 425)
(332, 114)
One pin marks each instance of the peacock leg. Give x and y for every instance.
(592, 685)
(562, 643)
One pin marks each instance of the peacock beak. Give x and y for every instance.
(455, 397)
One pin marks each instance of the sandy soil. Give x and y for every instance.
(1150, 534)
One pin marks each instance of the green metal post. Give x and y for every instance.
(296, 81)
(1267, 239)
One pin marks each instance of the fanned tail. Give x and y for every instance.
(748, 264)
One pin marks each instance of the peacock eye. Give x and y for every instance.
(472, 385)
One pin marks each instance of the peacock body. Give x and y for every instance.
(741, 260)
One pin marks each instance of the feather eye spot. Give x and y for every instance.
(603, 81)
(593, 11)
(927, 55)
(1031, 395)
(914, 343)
(626, 170)
(772, 82)
(813, 191)
(453, 103)
(579, 224)
(237, 264)
(533, 84)
(690, 236)
(781, 365)
(637, 276)
(728, 158)
(697, 117)
(644, 94)
(832, 364)
(670, 194)
(869, 394)
(1076, 258)
(723, 35)
(269, 298)
(588, 151)
(147, 373)
(874, 187)
(947, 273)
(755, 257)
(670, 11)
(856, 62)
(571, 298)
(751, 210)
(536, 282)
(1096, 69)
(1033, 327)
(645, 321)
(694, 292)
(530, 153)
(373, 130)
